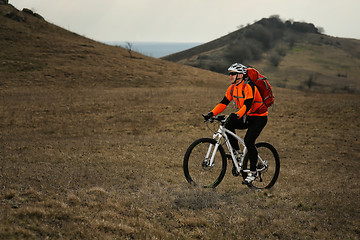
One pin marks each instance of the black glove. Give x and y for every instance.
(233, 116)
(208, 116)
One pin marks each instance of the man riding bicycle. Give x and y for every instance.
(249, 116)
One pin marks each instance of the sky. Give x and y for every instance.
(189, 20)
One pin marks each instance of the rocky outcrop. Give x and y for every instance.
(30, 12)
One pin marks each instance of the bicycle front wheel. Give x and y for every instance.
(267, 167)
(198, 168)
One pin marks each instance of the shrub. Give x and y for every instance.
(275, 59)
(261, 34)
(304, 27)
(244, 50)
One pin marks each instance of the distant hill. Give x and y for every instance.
(35, 52)
(293, 54)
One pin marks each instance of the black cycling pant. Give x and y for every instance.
(254, 126)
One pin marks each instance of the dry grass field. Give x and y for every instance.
(107, 163)
(92, 143)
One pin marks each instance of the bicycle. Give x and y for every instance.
(205, 160)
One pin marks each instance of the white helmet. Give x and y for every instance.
(237, 67)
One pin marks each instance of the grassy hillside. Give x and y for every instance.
(34, 52)
(292, 54)
(92, 143)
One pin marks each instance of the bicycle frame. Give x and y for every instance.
(222, 133)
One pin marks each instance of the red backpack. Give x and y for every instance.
(262, 85)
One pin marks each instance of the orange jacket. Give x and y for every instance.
(239, 94)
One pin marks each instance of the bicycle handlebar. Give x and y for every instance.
(219, 118)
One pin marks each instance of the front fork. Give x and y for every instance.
(210, 155)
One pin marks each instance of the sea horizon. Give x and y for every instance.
(156, 49)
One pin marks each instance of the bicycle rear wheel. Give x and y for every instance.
(267, 175)
(197, 167)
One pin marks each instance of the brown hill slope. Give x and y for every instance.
(36, 52)
(92, 142)
(293, 54)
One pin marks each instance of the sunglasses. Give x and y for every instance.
(232, 73)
